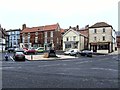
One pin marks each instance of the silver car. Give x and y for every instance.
(71, 52)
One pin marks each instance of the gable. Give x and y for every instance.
(71, 33)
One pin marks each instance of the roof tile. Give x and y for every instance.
(40, 28)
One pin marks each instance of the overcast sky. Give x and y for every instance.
(14, 13)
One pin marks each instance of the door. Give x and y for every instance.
(94, 48)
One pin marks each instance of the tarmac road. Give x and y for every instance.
(83, 72)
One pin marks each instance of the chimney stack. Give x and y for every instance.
(23, 26)
(70, 27)
(87, 26)
(77, 27)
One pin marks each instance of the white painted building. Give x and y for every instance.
(73, 39)
(101, 38)
(14, 37)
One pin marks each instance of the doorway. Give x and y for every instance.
(94, 48)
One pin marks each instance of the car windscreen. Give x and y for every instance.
(19, 52)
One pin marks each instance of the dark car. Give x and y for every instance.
(19, 56)
(87, 53)
(11, 50)
(52, 53)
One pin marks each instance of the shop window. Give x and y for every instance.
(67, 45)
(103, 47)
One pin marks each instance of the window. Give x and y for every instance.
(103, 30)
(36, 33)
(36, 39)
(95, 38)
(23, 39)
(13, 32)
(103, 47)
(95, 31)
(0, 40)
(67, 39)
(103, 38)
(45, 34)
(14, 37)
(74, 38)
(67, 45)
(29, 35)
(45, 40)
(51, 40)
(51, 33)
(57, 40)
(18, 32)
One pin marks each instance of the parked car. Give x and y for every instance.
(87, 53)
(19, 56)
(11, 50)
(25, 49)
(52, 53)
(71, 52)
(40, 49)
(31, 50)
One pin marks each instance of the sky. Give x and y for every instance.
(14, 13)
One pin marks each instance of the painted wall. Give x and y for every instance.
(70, 35)
(99, 34)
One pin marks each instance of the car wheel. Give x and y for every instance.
(77, 55)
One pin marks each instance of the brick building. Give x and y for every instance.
(48, 36)
(118, 39)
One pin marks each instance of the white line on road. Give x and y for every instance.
(7, 67)
(108, 69)
(49, 65)
(83, 62)
(12, 58)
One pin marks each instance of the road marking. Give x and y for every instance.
(7, 67)
(49, 65)
(108, 69)
(12, 58)
(83, 62)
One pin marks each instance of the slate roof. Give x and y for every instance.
(100, 24)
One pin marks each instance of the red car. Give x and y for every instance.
(31, 50)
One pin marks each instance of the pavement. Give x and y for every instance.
(59, 56)
(41, 57)
(114, 53)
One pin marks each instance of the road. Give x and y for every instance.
(84, 72)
